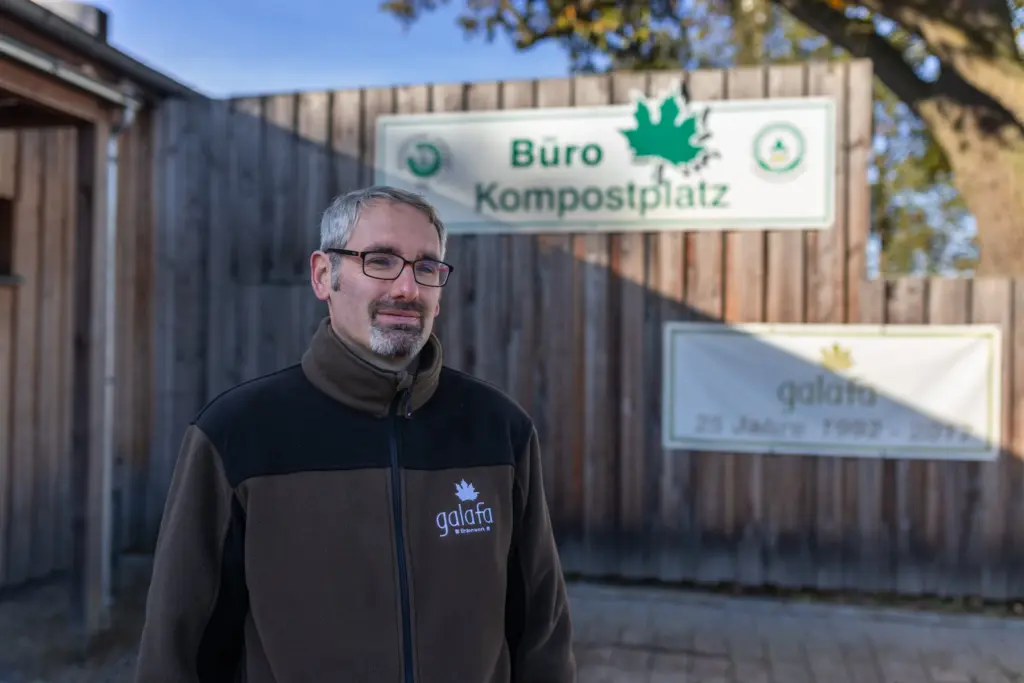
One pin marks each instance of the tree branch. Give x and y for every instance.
(862, 41)
(983, 27)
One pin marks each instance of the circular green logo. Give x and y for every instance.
(779, 148)
(423, 158)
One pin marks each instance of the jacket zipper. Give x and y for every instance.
(397, 408)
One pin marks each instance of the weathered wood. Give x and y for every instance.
(32, 117)
(744, 302)
(91, 455)
(949, 302)
(705, 295)
(825, 289)
(47, 458)
(314, 162)
(66, 262)
(571, 326)
(626, 371)
(25, 426)
(222, 323)
(50, 95)
(47, 330)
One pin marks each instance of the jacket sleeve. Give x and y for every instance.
(197, 601)
(539, 627)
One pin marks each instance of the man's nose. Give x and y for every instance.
(405, 286)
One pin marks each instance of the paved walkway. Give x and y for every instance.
(636, 635)
(630, 635)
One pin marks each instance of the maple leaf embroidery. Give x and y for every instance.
(465, 491)
(678, 144)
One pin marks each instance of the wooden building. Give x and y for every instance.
(75, 141)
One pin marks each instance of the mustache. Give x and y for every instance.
(394, 305)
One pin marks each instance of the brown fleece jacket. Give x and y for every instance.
(336, 522)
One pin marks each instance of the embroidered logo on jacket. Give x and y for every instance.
(467, 518)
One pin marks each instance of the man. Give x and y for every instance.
(366, 516)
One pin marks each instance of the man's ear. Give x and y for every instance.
(320, 274)
(437, 308)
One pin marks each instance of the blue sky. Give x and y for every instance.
(225, 47)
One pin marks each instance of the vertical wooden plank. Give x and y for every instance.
(557, 395)
(826, 303)
(279, 204)
(744, 302)
(706, 297)
(376, 101)
(7, 335)
(314, 128)
(993, 303)
(671, 488)
(932, 493)
(873, 555)
(791, 476)
(860, 128)
(865, 486)
(166, 206)
(9, 152)
(904, 480)
(600, 462)
(124, 343)
(222, 323)
(521, 285)
(346, 137)
(49, 306)
(247, 230)
(452, 329)
(487, 295)
(949, 303)
(1014, 375)
(24, 427)
(69, 226)
(627, 306)
(8, 163)
(143, 353)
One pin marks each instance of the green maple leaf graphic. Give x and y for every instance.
(676, 144)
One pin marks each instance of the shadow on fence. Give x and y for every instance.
(571, 326)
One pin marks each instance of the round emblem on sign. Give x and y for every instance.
(779, 148)
(423, 157)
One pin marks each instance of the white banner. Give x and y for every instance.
(658, 164)
(892, 391)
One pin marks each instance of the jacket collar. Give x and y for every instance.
(333, 368)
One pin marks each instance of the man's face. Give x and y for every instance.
(392, 319)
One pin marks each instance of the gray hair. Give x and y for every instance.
(340, 217)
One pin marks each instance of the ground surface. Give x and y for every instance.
(628, 635)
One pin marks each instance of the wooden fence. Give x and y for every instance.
(571, 326)
(37, 178)
(39, 184)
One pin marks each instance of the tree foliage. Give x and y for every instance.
(949, 96)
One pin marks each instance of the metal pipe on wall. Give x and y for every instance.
(110, 349)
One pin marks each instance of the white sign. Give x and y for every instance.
(892, 391)
(655, 165)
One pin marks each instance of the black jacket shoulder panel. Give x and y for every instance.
(280, 423)
(488, 405)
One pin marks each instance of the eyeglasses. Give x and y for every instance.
(383, 265)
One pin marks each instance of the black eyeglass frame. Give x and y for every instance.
(363, 254)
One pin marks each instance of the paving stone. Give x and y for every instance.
(637, 635)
